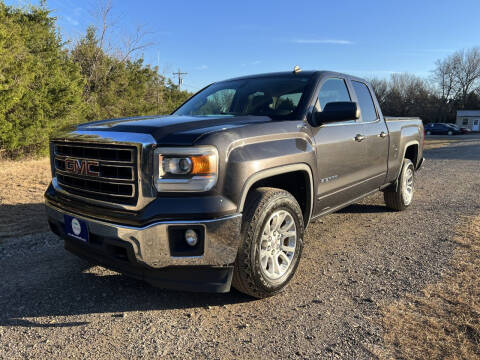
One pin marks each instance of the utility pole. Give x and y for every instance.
(180, 79)
(158, 85)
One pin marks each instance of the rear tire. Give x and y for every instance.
(450, 133)
(401, 198)
(429, 133)
(272, 233)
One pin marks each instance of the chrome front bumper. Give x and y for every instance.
(150, 244)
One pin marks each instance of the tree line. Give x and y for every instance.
(47, 86)
(453, 85)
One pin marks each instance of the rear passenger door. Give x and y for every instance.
(372, 126)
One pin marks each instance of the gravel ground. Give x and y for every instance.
(54, 305)
(21, 197)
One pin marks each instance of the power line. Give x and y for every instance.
(180, 78)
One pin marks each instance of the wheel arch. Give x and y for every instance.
(283, 177)
(410, 152)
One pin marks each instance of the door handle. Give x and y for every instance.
(383, 134)
(360, 137)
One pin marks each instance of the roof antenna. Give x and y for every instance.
(296, 69)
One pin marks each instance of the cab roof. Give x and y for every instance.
(291, 74)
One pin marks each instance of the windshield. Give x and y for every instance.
(277, 97)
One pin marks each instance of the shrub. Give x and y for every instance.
(40, 86)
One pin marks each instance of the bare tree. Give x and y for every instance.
(107, 28)
(445, 78)
(455, 83)
(103, 15)
(410, 89)
(134, 43)
(380, 86)
(467, 71)
(404, 95)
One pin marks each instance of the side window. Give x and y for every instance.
(332, 90)
(365, 101)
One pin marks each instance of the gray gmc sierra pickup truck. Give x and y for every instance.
(220, 192)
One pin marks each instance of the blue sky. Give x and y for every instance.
(213, 40)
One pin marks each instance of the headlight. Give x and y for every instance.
(186, 168)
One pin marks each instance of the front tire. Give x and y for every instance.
(272, 233)
(450, 133)
(401, 198)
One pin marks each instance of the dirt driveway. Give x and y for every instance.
(355, 262)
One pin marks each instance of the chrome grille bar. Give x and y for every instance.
(126, 155)
(78, 184)
(111, 175)
(107, 170)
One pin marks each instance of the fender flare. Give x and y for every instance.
(407, 145)
(279, 170)
(394, 186)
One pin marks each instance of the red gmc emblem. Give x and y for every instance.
(81, 167)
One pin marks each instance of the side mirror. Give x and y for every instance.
(337, 111)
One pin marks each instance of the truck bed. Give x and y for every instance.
(399, 118)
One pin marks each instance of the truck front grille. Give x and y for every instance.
(97, 171)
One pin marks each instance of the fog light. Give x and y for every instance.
(191, 237)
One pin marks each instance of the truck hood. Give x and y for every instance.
(174, 130)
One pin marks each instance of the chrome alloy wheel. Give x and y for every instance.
(407, 191)
(277, 245)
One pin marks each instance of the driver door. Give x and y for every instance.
(341, 155)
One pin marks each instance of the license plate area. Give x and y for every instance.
(76, 228)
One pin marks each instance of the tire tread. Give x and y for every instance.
(394, 199)
(243, 274)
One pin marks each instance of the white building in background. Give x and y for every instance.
(469, 119)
